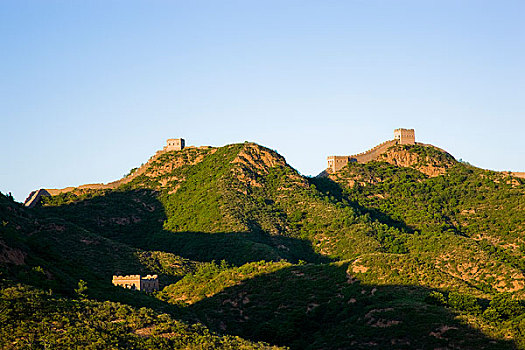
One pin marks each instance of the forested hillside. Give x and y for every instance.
(415, 250)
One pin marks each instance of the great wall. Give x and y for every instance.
(335, 163)
(171, 145)
(401, 136)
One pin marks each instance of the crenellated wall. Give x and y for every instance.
(130, 281)
(149, 283)
(335, 163)
(401, 136)
(373, 153)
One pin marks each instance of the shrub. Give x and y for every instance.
(436, 298)
(506, 306)
(464, 302)
(491, 315)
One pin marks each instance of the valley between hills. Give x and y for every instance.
(412, 250)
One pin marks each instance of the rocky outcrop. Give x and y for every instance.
(259, 158)
(430, 161)
(11, 255)
(255, 161)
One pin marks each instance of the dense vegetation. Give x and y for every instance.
(34, 319)
(414, 250)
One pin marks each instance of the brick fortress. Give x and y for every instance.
(149, 284)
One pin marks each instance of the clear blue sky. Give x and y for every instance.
(90, 89)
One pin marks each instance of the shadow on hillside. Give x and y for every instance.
(302, 306)
(51, 269)
(136, 218)
(321, 307)
(332, 189)
(94, 238)
(236, 248)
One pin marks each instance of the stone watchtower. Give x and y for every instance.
(174, 145)
(405, 136)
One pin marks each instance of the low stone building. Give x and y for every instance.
(149, 284)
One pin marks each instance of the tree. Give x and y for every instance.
(506, 306)
(464, 302)
(82, 289)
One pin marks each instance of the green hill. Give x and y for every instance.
(468, 221)
(415, 250)
(243, 189)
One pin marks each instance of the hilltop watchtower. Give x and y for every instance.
(405, 136)
(174, 145)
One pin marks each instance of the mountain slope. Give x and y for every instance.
(320, 307)
(244, 189)
(35, 319)
(44, 260)
(310, 259)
